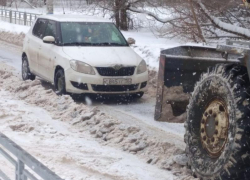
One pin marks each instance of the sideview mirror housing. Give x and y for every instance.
(131, 41)
(49, 39)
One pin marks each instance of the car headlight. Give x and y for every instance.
(82, 67)
(142, 67)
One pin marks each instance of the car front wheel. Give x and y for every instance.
(60, 82)
(26, 74)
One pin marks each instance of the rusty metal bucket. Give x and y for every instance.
(180, 68)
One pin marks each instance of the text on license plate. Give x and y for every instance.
(114, 81)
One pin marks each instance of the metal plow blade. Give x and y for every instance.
(180, 68)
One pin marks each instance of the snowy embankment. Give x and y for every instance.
(90, 144)
(12, 33)
(87, 140)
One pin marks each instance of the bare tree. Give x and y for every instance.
(119, 10)
(231, 19)
(200, 20)
(195, 20)
(3, 2)
(182, 21)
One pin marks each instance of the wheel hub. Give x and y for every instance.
(214, 128)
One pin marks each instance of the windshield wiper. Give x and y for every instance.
(108, 44)
(92, 44)
(77, 44)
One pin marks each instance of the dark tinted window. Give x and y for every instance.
(51, 29)
(39, 28)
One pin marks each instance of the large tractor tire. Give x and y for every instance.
(218, 125)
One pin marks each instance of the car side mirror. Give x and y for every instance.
(49, 39)
(131, 41)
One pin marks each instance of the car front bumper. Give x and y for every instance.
(79, 83)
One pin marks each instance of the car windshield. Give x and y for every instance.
(91, 34)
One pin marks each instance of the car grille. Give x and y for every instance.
(109, 71)
(115, 88)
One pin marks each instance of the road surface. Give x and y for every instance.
(77, 151)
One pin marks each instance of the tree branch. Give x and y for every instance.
(224, 26)
(166, 20)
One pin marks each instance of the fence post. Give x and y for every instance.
(25, 18)
(30, 19)
(10, 16)
(20, 171)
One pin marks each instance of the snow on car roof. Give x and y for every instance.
(74, 18)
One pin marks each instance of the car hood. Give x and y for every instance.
(104, 56)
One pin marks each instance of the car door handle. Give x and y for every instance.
(40, 47)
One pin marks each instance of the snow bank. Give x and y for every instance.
(77, 155)
(105, 128)
(13, 33)
(13, 28)
(12, 38)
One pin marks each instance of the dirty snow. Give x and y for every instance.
(111, 141)
(77, 155)
(38, 118)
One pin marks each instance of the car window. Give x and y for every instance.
(91, 34)
(39, 28)
(51, 29)
(115, 37)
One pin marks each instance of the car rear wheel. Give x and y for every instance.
(60, 82)
(26, 74)
(218, 125)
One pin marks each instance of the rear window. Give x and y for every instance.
(39, 28)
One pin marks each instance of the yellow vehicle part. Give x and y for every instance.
(246, 3)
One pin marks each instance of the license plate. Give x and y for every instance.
(114, 81)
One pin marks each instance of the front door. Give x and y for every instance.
(35, 42)
(47, 55)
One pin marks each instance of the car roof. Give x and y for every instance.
(74, 18)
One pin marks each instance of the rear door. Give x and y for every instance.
(47, 53)
(35, 44)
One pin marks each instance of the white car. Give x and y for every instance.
(82, 54)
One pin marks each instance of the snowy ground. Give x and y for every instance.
(133, 147)
(35, 117)
(77, 156)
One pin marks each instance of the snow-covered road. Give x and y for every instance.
(138, 112)
(70, 150)
(55, 143)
